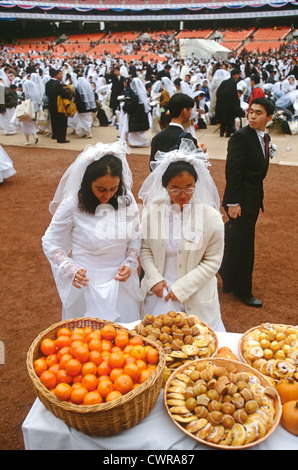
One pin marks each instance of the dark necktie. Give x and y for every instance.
(266, 141)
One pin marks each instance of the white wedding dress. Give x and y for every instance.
(6, 165)
(99, 243)
(175, 220)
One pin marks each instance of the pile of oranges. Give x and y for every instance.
(87, 366)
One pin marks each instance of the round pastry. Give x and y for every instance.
(214, 405)
(186, 330)
(246, 393)
(215, 417)
(201, 411)
(228, 408)
(195, 330)
(177, 334)
(251, 406)
(227, 421)
(200, 388)
(238, 400)
(191, 320)
(188, 339)
(221, 387)
(203, 400)
(177, 344)
(240, 416)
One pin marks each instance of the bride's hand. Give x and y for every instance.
(123, 273)
(158, 288)
(80, 279)
(171, 296)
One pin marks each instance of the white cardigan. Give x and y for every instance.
(199, 257)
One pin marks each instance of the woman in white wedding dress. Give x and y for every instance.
(183, 236)
(93, 240)
(6, 165)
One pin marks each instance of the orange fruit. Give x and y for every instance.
(144, 375)
(116, 349)
(136, 340)
(62, 391)
(113, 395)
(128, 349)
(52, 359)
(89, 368)
(54, 368)
(116, 359)
(78, 394)
(94, 334)
(78, 337)
(106, 344)
(77, 378)
(96, 357)
(108, 332)
(90, 382)
(138, 352)
(73, 367)
(105, 387)
(93, 398)
(105, 355)
(129, 359)
(121, 339)
(95, 345)
(80, 352)
(48, 346)
(49, 379)
(103, 377)
(87, 330)
(62, 351)
(63, 376)
(141, 364)
(64, 360)
(40, 365)
(152, 356)
(104, 368)
(115, 372)
(63, 341)
(63, 332)
(133, 371)
(151, 367)
(79, 331)
(123, 383)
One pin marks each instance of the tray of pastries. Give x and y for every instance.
(272, 349)
(222, 403)
(183, 338)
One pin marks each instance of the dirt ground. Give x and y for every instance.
(29, 299)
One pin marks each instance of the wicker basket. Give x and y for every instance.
(105, 419)
(240, 367)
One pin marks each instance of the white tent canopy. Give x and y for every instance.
(202, 49)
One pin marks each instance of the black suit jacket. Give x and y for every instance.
(246, 168)
(227, 101)
(53, 89)
(167, 139)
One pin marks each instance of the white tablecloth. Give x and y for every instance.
(43, 431)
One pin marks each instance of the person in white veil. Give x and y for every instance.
(183, 236)
(289, 84)
(219, 76)
(136, 121)
(28, 126)
(189, 127)
(85, 103)
(93, 240)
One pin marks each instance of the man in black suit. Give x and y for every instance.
(246, 167)
(180, 106)
(53, 89)
(228, 104)
(293, 69)
(117, 88)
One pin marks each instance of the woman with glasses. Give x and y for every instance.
(183, 236)
(93, 240)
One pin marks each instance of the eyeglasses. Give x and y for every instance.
(177, 192)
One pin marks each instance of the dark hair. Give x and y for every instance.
(256, 78)
(178, 102)
(107, 165)
(267, 103)
(235, 72)
(53, 72)
(175, 169)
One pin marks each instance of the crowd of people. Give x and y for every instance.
(133, 95)
(96, 238)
